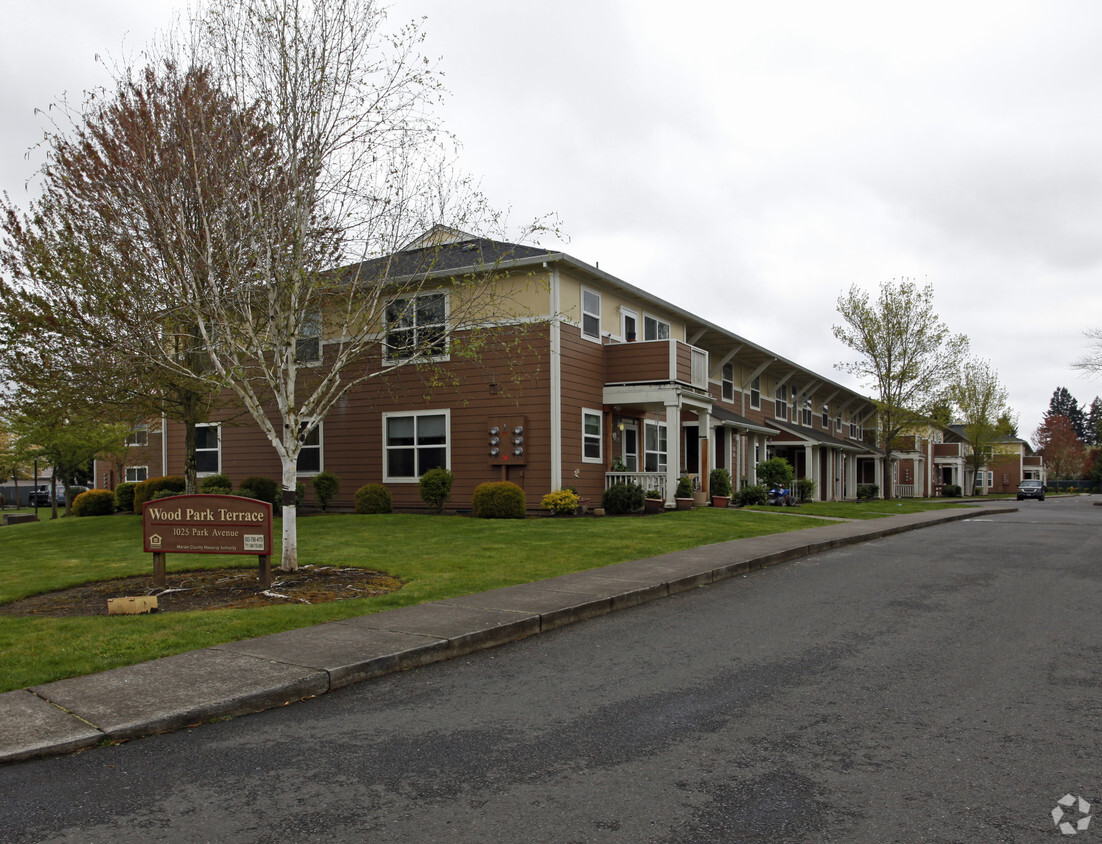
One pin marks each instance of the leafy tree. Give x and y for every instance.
(1063, 403)
(1007, 424)
(1094, 423)
(980, 401)
(905, 352)
(1064, 453)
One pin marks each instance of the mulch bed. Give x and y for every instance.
(212, 589)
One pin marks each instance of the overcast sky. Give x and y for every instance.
(748, 161)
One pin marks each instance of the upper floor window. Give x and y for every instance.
(755, 393)
(838, 422)
(806, 414)
(853, 427)
(138, 436)
(728, 382)
(781, 402)
(629, 325)
(208, 449)
(308, 343)
(655, 328)
(591, 314)
(826, 417)
(417, 327)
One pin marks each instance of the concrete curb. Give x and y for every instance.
(256, 674)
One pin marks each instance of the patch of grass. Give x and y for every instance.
(863, 509)
(437, 557)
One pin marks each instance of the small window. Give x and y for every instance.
(853, 429)
(414, 443)
(309, 457)
(781, 403)
(629, 325)
(591, 314)
(136, 474)
(838, 423)
(308, 344)
(728, 382)
(755, 393)
(591, 436)
(139, 436)
(806, 414)
(826, 418)
(417, 327)
(655, 328)
(208, 449)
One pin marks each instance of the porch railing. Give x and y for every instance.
(647, 480)
(904, 490)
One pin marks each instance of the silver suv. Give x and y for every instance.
(1031, 489)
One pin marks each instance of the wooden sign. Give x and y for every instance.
(207, 524)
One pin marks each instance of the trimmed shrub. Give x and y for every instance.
(95, 502)
(373, 499)
(752, 494)
(164, 493)
(684, 487)
(775, 472)
(805, 489)
(147, 490)
(436, 487)
(951, 491)
(326, 485)
(561, 502)
(867, 492)
(623, 498)
(124, 495)
(262, 489)
(719, 482)
(216, 485)
(498, 500)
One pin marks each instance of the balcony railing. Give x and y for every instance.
(647, 480)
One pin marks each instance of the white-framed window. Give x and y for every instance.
(853, 429)
(591, 436)
(755, 393)
(826, 417)
(417, 327)
(136, 474)
(806, 414)
(780, 404)
(654, 446)
(415, 442)
(591, 314)
(838, 423)
(310, 454)
(655, 328)
(308, 343)
(629, 325)
(138, 436)
(728, 379)
(208, 448)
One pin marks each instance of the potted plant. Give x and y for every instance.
(684, 493)
(720, 482)
(700, 497)
(653, 502)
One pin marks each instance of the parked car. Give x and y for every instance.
(40, 497)
(1031, 489)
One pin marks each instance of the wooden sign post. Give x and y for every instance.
(207, 524)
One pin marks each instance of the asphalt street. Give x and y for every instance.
(939, 685)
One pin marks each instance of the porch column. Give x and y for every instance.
(704, 448)
(811, 464)
(673, 449)
(878, 476)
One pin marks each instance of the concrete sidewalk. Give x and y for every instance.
(257, 674)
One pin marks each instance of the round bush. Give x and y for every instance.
(752, 494)
(326, 485)
(498, 500)
(216, 485)
(951, 491)
(95, 502)
(623, 498)
(719, 481)
(147, 489)
(262, 489)
(372, 499)
(436, 487)
(561, 502)
(124, 495)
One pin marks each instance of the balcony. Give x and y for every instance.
(656, 361)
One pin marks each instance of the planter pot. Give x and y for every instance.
(721, 501)
(700, 499)
(654, 505)
(684, 503)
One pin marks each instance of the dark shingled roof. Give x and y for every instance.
(477, 255)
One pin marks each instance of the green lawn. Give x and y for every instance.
(877, 509)
(436, 556)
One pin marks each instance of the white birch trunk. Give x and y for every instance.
(289, 560)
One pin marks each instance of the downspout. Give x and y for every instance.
(164, 445)
(556, 384)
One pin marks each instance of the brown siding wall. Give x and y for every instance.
(510, 380)
(583, 381)
(634, 362)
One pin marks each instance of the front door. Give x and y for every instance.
(631, 446)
